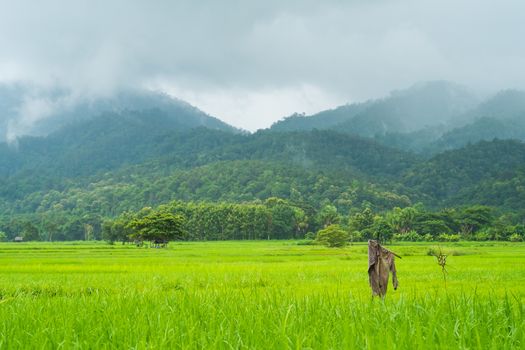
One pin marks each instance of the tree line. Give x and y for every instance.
(280, 219)
(275, 218)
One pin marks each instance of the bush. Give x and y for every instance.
(332, 236)
(448, 238)
(309, 236)
(306, 242)
(428, 237)
(481, 236)
(356, 236)
(516, 232)
(411, 236)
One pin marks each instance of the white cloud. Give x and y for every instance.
(252, 110)
(250, 63)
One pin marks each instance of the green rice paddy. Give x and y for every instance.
(257, 295)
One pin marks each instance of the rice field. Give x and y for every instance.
(258, 295)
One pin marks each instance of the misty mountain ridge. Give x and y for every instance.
(28, 110)
(428, 117)
(420, 106)
(128, 159)
(425, 118)
(506, 104)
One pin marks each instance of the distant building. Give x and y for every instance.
(19, 239)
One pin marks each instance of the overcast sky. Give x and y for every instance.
(250, 63)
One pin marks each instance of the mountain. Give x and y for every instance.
(421, 106)
(322, 120)
(104, 143)
(427, 118)
(112, 141)
(127, 153)
(482, 129)
(501, 116)
(27, 110)
(488, 172)
(506, 104)
(103, 166)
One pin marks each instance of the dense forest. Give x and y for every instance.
(418, 180)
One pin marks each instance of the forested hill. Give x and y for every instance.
(99, 167)
(422, 105)
(86, 150)
(106, 142)
(27, 110)
(427, 118)
(491, 173)
(147, 159)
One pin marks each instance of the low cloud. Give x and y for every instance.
(251, 63)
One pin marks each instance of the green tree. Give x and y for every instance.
(30, 232)
(361, 223)
(382, 231)
(117, 229)
(402, 220)
(473, 218)
(332, 236)
(158, 226)
(328, 216)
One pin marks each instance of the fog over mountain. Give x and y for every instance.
(29, 110)
(422, 105)
(251, 63)
(425, 117)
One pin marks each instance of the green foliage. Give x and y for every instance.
(481, 236)
(402, 220)
(381, 230)
(487, 173)
(485, 128)
(30, 232)
(355, 236)
(412, 236)
(328, 215)
(268, 185)
(309, 236)
(448, 238)
(332, 236)
(362, 222)
(117, 229)
(157, 226)
(428, 238)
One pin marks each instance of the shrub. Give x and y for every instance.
(356, 236)
(332, 236)
(481, 236)
(411, 236)
(428, 237)
(517, 232)
(306, 242)
(448, 238)
(398, 237)
(309, 236)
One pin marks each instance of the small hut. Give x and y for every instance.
(19, 239)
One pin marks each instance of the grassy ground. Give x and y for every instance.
(264, 295)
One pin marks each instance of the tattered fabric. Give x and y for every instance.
(380, 264)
